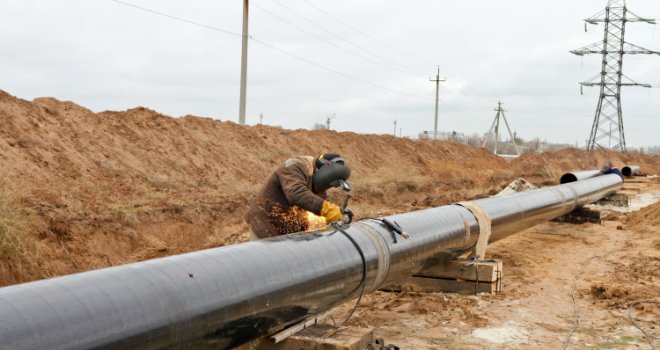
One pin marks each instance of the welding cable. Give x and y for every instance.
(649, 338)
(363, 280)
(389, 225)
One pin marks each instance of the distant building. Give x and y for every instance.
(454, 136)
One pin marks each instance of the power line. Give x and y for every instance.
(534, 127)
(455, 88)
(452, 87)
(367, 35)
(178, 18)
(471, 97)
(300, 58)
(414, 71)
(329, 42)
(455, 109)
(335, 71)
(573, 114)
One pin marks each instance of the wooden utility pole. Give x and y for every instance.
(437, 81)
(244, 53)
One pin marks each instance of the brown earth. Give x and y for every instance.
(83, 190)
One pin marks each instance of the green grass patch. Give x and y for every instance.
(619, 343)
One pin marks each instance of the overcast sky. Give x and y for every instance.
(367, 61)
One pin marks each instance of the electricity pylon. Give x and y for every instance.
(495, 130)
(607, 129)
(329, 119)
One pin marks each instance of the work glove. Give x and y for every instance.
(331, 212)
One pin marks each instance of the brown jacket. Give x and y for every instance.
(280, 206)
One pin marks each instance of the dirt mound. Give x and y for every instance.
(108, 188)
(518, 185)
(545, 168)
(100, 189)
(646, 216)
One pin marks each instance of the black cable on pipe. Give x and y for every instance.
(363, 280)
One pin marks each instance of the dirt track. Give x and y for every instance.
(83, 190)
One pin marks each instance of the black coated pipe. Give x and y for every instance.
(579, 175)
(220, 298)
(630, 170)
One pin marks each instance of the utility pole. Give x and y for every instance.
(394, 127)
(244, 53)
(328, 119)
(437, 81)
(611, 78)
(495, 130)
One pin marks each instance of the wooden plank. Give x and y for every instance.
(637, 180)
(278, 337)
(482, 270)
(313, 337)
(580, 216)
(627, 193)
(617, 199)
(430, 285)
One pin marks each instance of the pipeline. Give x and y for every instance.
(223, 297)
(630, 170)
(579, 175)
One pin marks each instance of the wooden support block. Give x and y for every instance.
(464, 269)
(627, 193)
(312, 338)
(580, 216)
(278, 337)
(637, 180)
(617, 199)
(431, 285)
(635, 189)
(482, 276)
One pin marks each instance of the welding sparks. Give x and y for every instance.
(315, 221)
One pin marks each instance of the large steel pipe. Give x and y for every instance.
(630, 170)
(579, 175)
(220, 298)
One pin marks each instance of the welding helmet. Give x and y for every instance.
(329, 171)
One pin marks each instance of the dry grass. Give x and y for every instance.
(18, 248)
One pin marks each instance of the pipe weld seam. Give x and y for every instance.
(383, 251)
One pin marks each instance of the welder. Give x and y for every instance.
(609, 168)
(296, 187)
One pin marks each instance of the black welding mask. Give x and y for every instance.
(330, 172)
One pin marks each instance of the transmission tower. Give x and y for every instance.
(607, 129)
(495, 130)
(328, 120)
